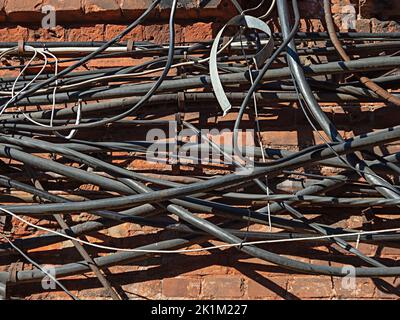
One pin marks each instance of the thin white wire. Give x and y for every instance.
(358, 241)
(43, 53)
(129, 75)
(258, 133)
(271, 8)
(77, 122)
(248, 243)
(55, 88)
(13, 94)
(14, 50)
(267, 14)
(54, 93)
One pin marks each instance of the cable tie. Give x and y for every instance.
(130, 46)
(21, 47)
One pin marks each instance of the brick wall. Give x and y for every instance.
(224, 274)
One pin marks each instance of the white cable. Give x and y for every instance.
(14, 50)
(200, 249)
(258, 132)
(271, 8)
(55, 88)
(110, 77)
(35, 53)
(77, 122)
(358, 242)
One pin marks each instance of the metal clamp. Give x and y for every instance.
(21, 47)
(130, 46)
(14, 269)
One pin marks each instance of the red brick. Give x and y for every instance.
(67, 10)
(14, 34)
(187, 10)
(198, 31)
(364, 288)
(113, 30)
(159, 33)
(101, 10)
(390, 251)
(256, 290)
(132, 8)
(28, 10)
(181, 287)
(387, 288)
(90, 33)
(40, 34)
(31, 10)
(144, 290)
(221, 9)
(363, 25)
(223, 287)
(311, 287)
(194, 266)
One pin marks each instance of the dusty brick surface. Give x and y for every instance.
(223, 287)
(28, 10)
(364, 288)
(267, 288)
(181, 287)
(106, 10)
(144, 290)
(87, 33)
(311, 287)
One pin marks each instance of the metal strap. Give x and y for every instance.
(261, 57)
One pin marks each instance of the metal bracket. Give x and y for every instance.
(130, 46)
(251, 23)
(21, 47)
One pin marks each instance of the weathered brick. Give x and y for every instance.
(267, 288)
(223, 287)
(14, 34)
(364, 288)
(159, 33)
(67, 10)
(144, 290)
(390, 251)
(113, 30)
(29, 10)
(87, 33)
(363, 25)
(387, 288)
(181, 287)
(198, 31)
(311, 287)
(101, 10)
(188, 9)
(40, 34)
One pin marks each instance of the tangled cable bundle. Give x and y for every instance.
(65, 129)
